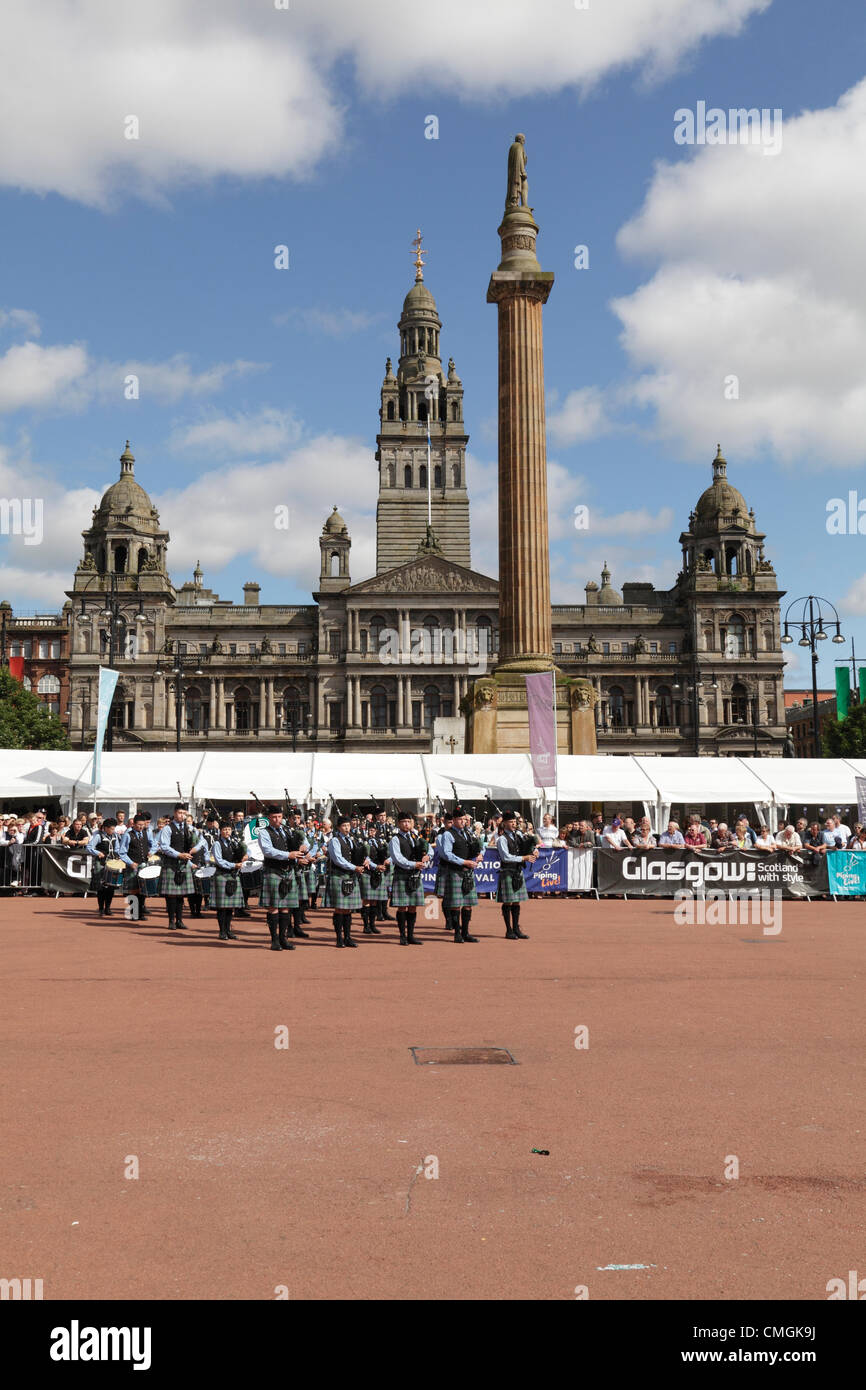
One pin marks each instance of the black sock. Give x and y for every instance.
(506, 915)
(401, 919)
(169, 907)
(410, 918)
(273, 921)
(465, 918)
(515, 915)
(285, 922)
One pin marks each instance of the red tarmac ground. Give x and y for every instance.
(263, 1167)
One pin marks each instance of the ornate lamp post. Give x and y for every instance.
(694, 685)
(115, 612)
(811, 625)
(179, 665)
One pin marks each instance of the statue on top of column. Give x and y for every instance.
(518, 186)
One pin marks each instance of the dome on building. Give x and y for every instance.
(419, 300)
(607, 595)
(335, 525)
(720, 498)
(126, 495)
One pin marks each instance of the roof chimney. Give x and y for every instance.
(251, 594)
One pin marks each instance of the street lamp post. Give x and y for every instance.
(695, 685)
(178, 667)
(812, 632)
(114, 611)
(293, 715)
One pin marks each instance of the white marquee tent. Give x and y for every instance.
(769, 784)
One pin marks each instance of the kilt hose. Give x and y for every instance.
(168, 887)
(226, 890)
(309, 882)
(505, 892)
(339, 901)
(454, 896)
(270, 895)
(401, 893)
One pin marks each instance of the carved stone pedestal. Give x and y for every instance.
(497, 715)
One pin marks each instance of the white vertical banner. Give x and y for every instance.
(107, 685)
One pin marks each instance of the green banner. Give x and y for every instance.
(843, 691)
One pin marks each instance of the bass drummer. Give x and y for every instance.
(103, 846)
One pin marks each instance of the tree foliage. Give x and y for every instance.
(846, 738)
(25, 722)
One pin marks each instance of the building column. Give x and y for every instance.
(350, 714)
(212, 704)
(220, 703)
(272, 720)
(311, 700)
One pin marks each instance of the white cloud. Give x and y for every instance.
(636, 523)
(263, 433)
(66, 377)
(760, 278)
(22, 321)
(251, 91)
(334, 323)
(581, 416)
(854, 601)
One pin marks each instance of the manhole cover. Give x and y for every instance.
(758, 940)
(462, 1056)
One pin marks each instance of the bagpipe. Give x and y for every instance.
(419, 851)
(524, 844)
(475, 848)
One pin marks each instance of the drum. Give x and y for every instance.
(207, 872)
(148, 879)
(113, 871)
(204, 880)
(255, 853)
(252, 875)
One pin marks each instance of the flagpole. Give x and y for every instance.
(429, 473)
(555, 755)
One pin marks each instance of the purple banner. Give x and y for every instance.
(542, 728)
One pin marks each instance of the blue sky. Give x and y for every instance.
(307, 128)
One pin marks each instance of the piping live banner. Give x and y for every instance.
(549, 873)
(660, 873)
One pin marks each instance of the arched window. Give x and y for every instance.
(422, 408)
(194, 710)
(142, 558)
(432, 705)
(49, 685)
(454, 411)
(335, 565)
(733, 562)
(455, 475)
(407, 475)
(120, 555)
(735, 637)
(437, 475)
(616, 705)
(748, 562)
(664, 708)
(243, 708)
(422, 476)
(739, 704)
(294, 711)
(379, 707)
(27, 683)
(390, 412)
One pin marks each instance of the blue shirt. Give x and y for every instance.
(217, 856)
(163, 844)
(446, 848)
(336, 856)
(268, 847)
(123, 847)
(505, 855)
(396, 854)
(667, 839)
(110, 835)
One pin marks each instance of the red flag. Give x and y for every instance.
(16, 667)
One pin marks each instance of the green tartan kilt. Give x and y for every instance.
(270, 895)
(401, 896)
(226, 890)
(453, 895)
(339, 901)
(309, 879)
(371, 894)
(167, 885)
(505, 893)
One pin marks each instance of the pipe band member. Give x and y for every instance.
(461, 854)
(103, 844)
(279, 895)
(344, 876)
(135, 849)
(511, 891)
(408, 853)
(176, 847)
(227, 855)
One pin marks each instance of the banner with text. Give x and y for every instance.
(659, 873)
(107, 684)
(549, 873)
(846, 872)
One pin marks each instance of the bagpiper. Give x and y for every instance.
(439, 862)
(227, 855)
(511, 891)
(461, 855)
(238, 823)
(176, 847)
(409, 856)
(279, 895)
(343, 880)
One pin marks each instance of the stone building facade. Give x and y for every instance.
(370, 665)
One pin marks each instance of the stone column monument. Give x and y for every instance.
(496, 706)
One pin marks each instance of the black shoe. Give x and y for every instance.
(410, 937)
(181, 926)
(458, 936)
(230, 936)
(510, 935)
(242, 912)
(224, 936)
(467, 937)
(339, 942)
(520, 935)
(296, 931)
(143, 916)
(305, 921)
(374, 929)
(386, 917)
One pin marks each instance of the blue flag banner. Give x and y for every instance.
(846, 872)
(549, 873)
(107, 684)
